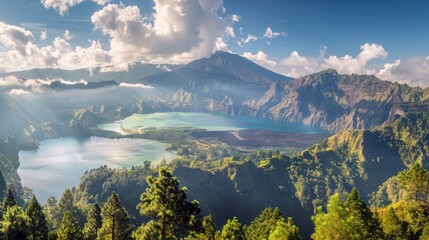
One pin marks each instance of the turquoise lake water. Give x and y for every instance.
(59, 163)
(208, 121)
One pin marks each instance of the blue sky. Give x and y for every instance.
(386, 38)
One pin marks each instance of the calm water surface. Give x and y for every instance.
(59, 163)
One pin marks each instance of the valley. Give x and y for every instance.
(247, 139)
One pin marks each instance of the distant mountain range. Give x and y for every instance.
(228, 84)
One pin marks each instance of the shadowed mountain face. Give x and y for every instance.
(235, 66)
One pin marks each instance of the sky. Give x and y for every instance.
(389, 39)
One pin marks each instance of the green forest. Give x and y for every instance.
(169, 214)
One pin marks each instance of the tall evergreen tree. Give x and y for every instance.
(66, 204)
(369, 225)
(209, 227)
(393, 227)
(51, 212)
(38, 227)
(9, 200)
(15, 224)
(415, 182)
(166, 202)
(69, 228)
(233, 230)
(336, 223)
(3, 186)
(93, 223)
(285, 231)
(116, 222)
(262, 225)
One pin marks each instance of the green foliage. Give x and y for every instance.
(336, 223)
(2, 186)
(285, 231)
(51, 212)
(233, 230)
(38, 226)
(261, 226)
(15, 224)
(209, 228)
(393, 227)
(67, 204)
(369, 227)
(9, 201)
(69, 228)
(116, 222)
(167, 204)
(415, 182)
(93, 223)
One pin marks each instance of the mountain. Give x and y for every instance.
(135, 72)
(235, 66)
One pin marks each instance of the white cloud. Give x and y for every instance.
(413, 71)
(135, 85)
(221, 45)
(269, 33)
(62, 6)
(23, 54)
(261, 58)
(296, 65)
(19, 86)
(180, 30)
(250, 38)
(230, 31)
(43, 35)
(18, 91)
(67, 36)
(235, 18)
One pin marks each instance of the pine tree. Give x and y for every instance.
(415, 182)
(233, 230)
(38, 227)
(393, 227)
(285, 231)
(9, 201)
(336, 223)
(166, 203)
(66, 204)
(2, 186)
(15, 224)
(93, 223)
(262, 225)
(369, 226)
(209, 227)
(116, 222)
(69, 228)
(51, 212)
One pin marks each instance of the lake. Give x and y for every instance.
(59, 163)
(208, 121)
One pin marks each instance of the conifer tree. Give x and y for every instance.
(209, 227)
(66, 204)
(393, 227)
(233, 230)
(166, 202)
(51, 212)
(369, 225)
(69, 228)
(15, 224)
(285, 231)
(116, 222)
(93, 223)
(9, 200)
(262, 225)
(336, 223)
(2, 186)
(38, 227)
